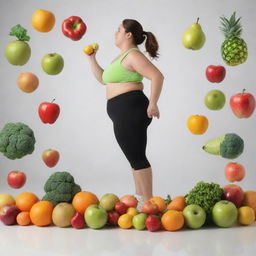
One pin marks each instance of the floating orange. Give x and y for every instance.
(43, 20)
(197, 124)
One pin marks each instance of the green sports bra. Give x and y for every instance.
(116, 73)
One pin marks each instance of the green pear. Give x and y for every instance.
(213, 146)
(194, 37)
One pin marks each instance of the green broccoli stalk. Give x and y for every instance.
(205, 195)
(60, 187)
(19, 32)
(16, 140)
(228, 146)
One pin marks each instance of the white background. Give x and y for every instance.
(83, 133)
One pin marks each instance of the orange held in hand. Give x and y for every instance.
(197, 124)
(89, 49)
(43, 21)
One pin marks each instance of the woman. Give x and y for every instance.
(127, 105)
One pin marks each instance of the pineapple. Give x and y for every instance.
(233, 49)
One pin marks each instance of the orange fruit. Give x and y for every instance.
(172, 220)
(43, 20)
(23, 218)
(178, 203)
(27, 82)
(250, 199)
(41, 213)
(25, 200)
(246, 215)
(159, 201)
(83, 199)
(197, 124)
(88, 49)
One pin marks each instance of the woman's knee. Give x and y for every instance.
(140, 164)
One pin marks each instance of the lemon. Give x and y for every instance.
(132, 211)
(246, 215)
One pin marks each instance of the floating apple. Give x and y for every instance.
(50, 157)
(74, 28)
(234, 194)
(215, 74)
(18, 52)
(48, 112)
(16, 179)
(215, 100)
(242, 104)
(8, 214)
(52, 63)
(234, 171)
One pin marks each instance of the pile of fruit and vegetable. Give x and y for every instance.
(65, 204)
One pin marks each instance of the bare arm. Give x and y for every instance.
(95, 67)
(143, 66)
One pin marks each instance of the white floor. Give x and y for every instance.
(47, 241)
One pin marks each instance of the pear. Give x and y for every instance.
(194, 37)
(228, 146)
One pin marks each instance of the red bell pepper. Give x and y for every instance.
(74, 27)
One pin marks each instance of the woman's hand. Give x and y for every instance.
(153, 111)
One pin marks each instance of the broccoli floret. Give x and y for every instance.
(228, 146)
(16, 140)
(60, 187)
(205, 195)
(232, 146)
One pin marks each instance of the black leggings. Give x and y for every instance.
(128, 111)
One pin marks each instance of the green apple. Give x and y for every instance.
(194, 37)
(95, 216)
(139, 220)
(62, 214)
(17, 52)
(224, 214)
(215, 100)
(194, 216)
(52, 63)
(108, 201)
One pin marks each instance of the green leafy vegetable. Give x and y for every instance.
(205, 195)
(19, 32)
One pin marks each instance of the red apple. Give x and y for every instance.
(150, 208)
(16, 179)
(242, 104)
(234, 172)
(215, 74)
(113, 217)
(48, 112)
(121, 207)
(50, 157)
(234, 194)
(78, 221)
(153, 223)
(8, 214)
(129, 200)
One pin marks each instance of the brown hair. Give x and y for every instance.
(139, 36)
